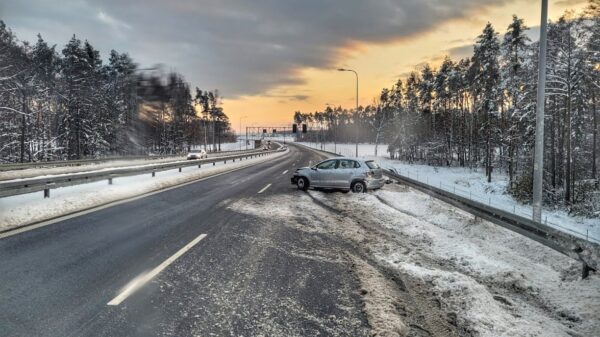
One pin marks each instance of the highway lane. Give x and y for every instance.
(241, 279)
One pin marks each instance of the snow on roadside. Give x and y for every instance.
(497, 282)
(471, 183)
(30, 208)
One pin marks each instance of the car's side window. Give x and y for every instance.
(345, 164)
(327, 165)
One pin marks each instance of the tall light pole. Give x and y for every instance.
(355, 73)
(240, 132)
(538, 164)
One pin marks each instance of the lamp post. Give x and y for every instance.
(538, 163)
(356, 74)
(242, 117)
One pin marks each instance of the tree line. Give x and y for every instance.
(480, 111)
(72, 105)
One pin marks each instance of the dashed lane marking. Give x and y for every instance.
(143, 278)
(264, 189)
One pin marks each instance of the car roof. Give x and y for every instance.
(349, 158)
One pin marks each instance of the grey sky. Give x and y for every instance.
(240, 47)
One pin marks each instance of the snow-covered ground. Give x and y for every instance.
(30, 208)
(471, 183)
(480, 278)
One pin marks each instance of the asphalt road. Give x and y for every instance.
(241, 279)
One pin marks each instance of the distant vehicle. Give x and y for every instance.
(347, 174)
(197, 154)
(267, 145)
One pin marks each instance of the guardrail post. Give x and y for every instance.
(153, 173)
(180, 169)
(46, 193)
(199, 165)
(213, 163)
(110, 181)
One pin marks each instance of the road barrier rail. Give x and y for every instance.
(79, 162)
(581, 249)
(36, 184)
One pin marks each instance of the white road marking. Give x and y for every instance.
(143, 278)
(284, 172)
(264, 189)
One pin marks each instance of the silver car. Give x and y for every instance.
(197, 154)
(347, 174)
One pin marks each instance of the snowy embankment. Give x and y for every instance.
(479, 278)
(89, 167)
(20, 210)
(471, 183)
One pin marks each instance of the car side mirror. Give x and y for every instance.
(314, 168)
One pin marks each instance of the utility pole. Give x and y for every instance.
(356, 135)
(538, 164)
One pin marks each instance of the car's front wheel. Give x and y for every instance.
(302, 183)
(358, 187)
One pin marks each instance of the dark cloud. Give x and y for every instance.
(465, 51)
(240, 47)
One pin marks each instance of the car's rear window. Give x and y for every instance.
(372, 164)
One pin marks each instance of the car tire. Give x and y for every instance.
(358, 187)
(302, 184)
(345, 191)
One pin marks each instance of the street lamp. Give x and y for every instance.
(356, 74)
(242, 117)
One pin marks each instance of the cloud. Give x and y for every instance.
(464, 51)
(112, 22)
(240, 47)
(570, 2)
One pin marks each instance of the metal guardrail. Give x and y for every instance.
(29, 185)
(575, 247)
(78, 162)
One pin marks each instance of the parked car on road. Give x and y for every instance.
(197, 154)
(347, 174)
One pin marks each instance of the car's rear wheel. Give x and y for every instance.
(358, 187)
(302, 183)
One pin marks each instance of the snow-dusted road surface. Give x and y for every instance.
(288, 263)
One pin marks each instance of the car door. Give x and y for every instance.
(322, 174)
(343, 173)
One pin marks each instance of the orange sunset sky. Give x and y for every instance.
(380, 65)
